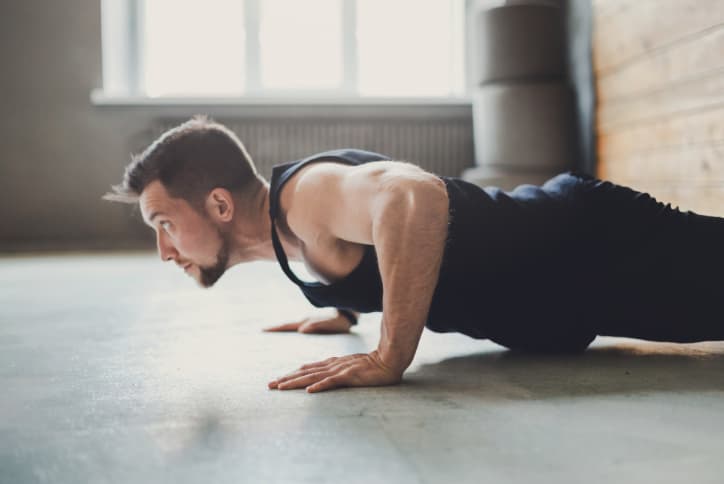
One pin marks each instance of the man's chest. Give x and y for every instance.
(332, 259)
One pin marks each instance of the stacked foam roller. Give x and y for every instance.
(523, 106)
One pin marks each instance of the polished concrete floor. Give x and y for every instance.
(116, 368)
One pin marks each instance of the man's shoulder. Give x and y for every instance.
(344, 199)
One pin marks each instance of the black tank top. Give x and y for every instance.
(502, 248)
(361, 290)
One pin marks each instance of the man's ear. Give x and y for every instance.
(220, 205)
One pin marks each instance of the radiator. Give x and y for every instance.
(441, 146)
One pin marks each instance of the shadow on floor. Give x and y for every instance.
(616, 369)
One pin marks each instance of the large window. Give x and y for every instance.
(284, 48)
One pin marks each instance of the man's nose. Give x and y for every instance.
(165, 248)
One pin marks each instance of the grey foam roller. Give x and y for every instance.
(515, 41)
(524, 125)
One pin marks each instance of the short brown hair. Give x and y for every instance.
(190, 160)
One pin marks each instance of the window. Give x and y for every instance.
(283, 48)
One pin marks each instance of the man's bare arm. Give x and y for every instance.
(409, 230)
(403, 211)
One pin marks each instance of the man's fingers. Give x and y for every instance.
(326, 365)
(303, 371)
(325, 326)
(315, 327)
(284, 327)
(328, 383)
(293, 376)
(303, 381)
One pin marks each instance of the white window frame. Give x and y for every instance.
(122, 43)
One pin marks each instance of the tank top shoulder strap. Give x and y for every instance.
(282, 172)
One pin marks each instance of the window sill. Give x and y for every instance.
(100, 98)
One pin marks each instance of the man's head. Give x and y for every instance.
(190, 184)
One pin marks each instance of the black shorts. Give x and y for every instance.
(646, 270)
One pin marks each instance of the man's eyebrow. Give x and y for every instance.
(154, 215)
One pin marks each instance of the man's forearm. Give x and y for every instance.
(409, 237)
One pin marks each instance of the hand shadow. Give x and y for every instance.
(619, 368)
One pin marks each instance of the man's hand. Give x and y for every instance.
(358, 370)
(316, 324)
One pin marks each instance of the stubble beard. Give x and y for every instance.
(209, 275)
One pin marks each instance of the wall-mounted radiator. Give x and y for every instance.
(441, 146)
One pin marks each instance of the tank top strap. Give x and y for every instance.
(282, 257)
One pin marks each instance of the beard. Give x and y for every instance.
(209, 275)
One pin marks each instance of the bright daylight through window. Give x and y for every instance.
(277, 48)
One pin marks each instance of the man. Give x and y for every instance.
(430, 251)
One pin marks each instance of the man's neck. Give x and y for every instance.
(251, 239)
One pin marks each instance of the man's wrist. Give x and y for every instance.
(394, 358)
(349, 315)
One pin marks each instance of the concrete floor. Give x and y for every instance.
(117, 368)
